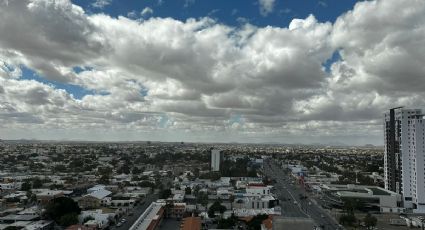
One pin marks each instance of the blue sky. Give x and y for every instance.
(228, 11)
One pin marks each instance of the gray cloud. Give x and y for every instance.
(202, 76)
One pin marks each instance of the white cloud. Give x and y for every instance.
(266, 6)
(146, 11)
(132, 14)
(101, 3)
(199, 74)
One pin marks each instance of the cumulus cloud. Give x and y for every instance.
(199, 78)
(266, 6)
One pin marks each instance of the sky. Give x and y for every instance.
(249, 71)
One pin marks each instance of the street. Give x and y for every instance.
(293, 199)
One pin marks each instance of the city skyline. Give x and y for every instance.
(259, 71)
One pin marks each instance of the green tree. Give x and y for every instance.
(68, 219)
(76, 163)
(124, 170)
(196, 190)
(202, 198)
(37, 183)
(104, 171)
(196, 172)
(26, 186)
(228, 223)
(146, 183)
(31, 197)
(252, 173)
(370, 221)
(104, 179)
(60, 207)
(136, 170)
(188, 191)
(164, 194)
(256, 221)
(350, 205)
(347, 219)
(216, 207)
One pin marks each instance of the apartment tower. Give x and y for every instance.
(402, 155)
(216, 159)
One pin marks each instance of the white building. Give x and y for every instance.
(258, 189)
(101, 219)
(404, 161)
(216, 158)
(255, 202)
(416, 153)
(395, 124)
(372, 196)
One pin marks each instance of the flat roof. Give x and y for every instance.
(379, 192)
(13, 217)
(150, 214)
(38, 224)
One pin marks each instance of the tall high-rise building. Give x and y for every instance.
(403, 158)
(216, 158)
(416, 148)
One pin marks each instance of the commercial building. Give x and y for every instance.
(216, 158)
(373, 198)
(151, 218)
(404, 161)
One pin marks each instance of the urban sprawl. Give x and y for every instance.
(192, 186)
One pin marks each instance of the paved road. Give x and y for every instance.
(291, 202)
(137, 211)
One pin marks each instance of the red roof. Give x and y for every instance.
(191, 223)
(256, 185)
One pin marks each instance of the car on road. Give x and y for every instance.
(123, 220)
(295, 202)
(119, 224)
